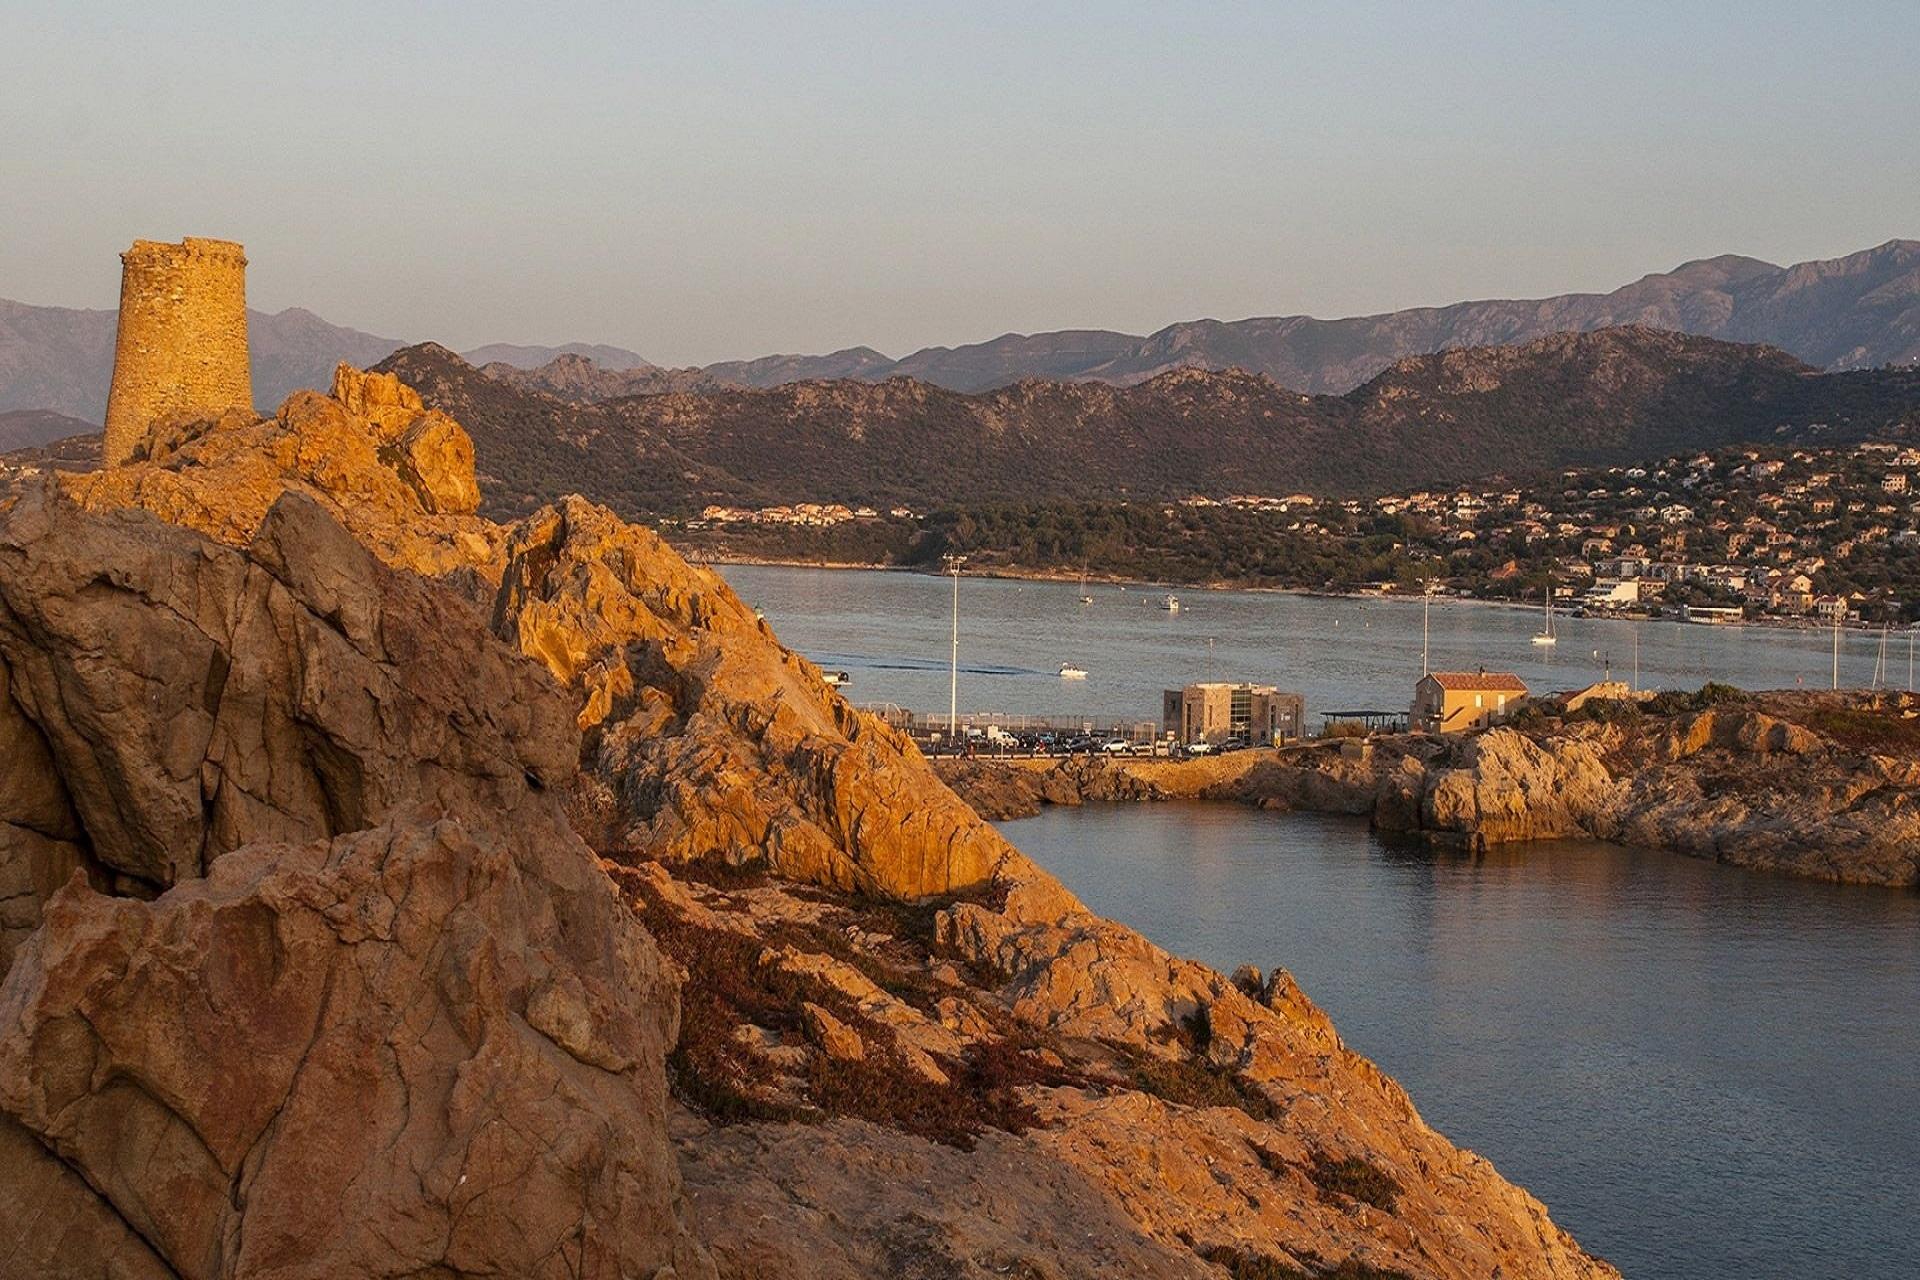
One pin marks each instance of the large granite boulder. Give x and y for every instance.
(705, 737)
(1501, 786)
(316, 978)
(192, 698)
(41, 842)
(419, 1049)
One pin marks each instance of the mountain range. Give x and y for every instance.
(30, 428)
(1613, 395)
(1857, 311)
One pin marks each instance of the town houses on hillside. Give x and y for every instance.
(809, 514)
(1824, 534)
(1808, 533)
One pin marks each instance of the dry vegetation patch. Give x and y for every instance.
(738, 991)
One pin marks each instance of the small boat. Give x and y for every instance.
(1084, 597)
(1171, 604)
(1544, 638)
(836, 679)
(1070, 672)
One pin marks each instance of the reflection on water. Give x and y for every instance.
(1702, 1071)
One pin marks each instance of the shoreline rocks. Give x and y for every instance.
(1754, 783)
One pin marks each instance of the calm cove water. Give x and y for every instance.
(890, 632)
(1704, 1072)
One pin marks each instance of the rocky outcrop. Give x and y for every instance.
(1818, 785)
(328, 985)
(191, 698)
(398, 476)
(1004, 789)
(326, 937)
(706, 738)
(1011, 1085)
(1498, 788)
(413, 1050)
(41, 841)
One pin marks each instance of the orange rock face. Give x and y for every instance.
(399, 476)
(707, 738)
(333, 986)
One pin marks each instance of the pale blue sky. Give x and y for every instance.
(707, 181)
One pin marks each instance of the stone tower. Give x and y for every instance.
(181, 350)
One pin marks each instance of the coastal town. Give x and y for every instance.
(1823, 534)
(1820, 535)
(1788, 535)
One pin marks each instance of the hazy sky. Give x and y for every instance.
(706, 181)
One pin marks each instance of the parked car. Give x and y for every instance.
(1200, 748)
(1117, 747)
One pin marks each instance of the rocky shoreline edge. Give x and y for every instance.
(1825, 786)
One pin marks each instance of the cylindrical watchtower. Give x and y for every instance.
(181, 350)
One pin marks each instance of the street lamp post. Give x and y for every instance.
(1426, 604)
(953, 670)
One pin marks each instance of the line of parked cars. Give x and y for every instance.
(994, 740)
(1205, 748)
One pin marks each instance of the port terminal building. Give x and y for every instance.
(1219, 711)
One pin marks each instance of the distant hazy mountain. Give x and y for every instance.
(1859, 311)
(296, 348)
(1616, 395)
(617, 359)
(30, 428)
(61, 359)
(576, 377)
(55, 358)
(771, 371)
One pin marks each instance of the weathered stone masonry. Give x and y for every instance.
(181, 350)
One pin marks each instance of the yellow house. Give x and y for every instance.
(1450, 701)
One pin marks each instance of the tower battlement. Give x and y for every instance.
(189, 248)
(181, 346)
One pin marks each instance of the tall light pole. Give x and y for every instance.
(1426, 605)
(1836, 652)
(953, 671)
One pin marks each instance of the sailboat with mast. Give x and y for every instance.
(1545, 638)
(1084, 597)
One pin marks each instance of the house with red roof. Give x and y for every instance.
(1453, 701)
